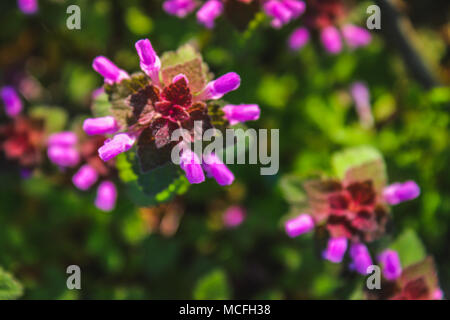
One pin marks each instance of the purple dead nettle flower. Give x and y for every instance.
(62, 149)
(390, 263)
(283, 11)
(361, 96)
(335, 249)
(400, 192)
(355, 36)
(331, 39)
(28, 6)
(298, 39)
(173, 105)
(361, 259)
(11, 100)
(106, 196)
(233, 216)
(179, 8)
(299, 225)
(206, 15)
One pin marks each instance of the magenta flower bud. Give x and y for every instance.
(63, 156)
(215, 168)
(63, 139)
(298, 38)
(302, 224)
(13, 104)
(241, 113)
(85, 177)
(356, 36)
(106, 196)
(361, 96)
(233, 216)
(28, 6)
(280, 13)
(296, 7)
(179, 8)
(331, 39)
(209, 12)
(190, 163)
(149, 60)
(180, 76)
(121, 142)
(361, 258)
(109, 70)
(218, 88)
(335, 249)
(391, 267)
(399, 192)
(102, 125)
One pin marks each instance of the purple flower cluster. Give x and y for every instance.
(173, 110)
(206, 15)
(330, 37)
(283, 11)
(63, 151)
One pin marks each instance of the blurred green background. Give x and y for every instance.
(182, 250)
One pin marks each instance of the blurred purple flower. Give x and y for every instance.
(215, 168)
(390, 262)
(361, 96)
(209, 12)
(28, 6)
(11, 100)
(121, 142)
(85, 177)
(331, 39)
(102, 125)
(234, 216)
(335, 249)
(179, 8)
(299, 225)
(356, 36)
(299, 38)
(361, 259)
(191, 165)
(106, 196)
(241, 113)
(109, 70)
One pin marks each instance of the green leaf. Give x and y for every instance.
(55, 118)
(409, 247)
(212, 286)
(101, 107)
(157, 186)
(10, 288)
(359, 164)
(291, 187)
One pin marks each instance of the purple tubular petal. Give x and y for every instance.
(214, 167)
(179, 8)
(241, 113)
(13, 104)
(209, 12)
(63, 139)
(63, 156)
(298, 38)
(299, 225)
(85, 177)
(121, 142)
(356, 36)
(149, 60)
(28, 6)
(400, 192)
(218, 88)
(361, 258)
(280, 13)
(296, 7)
(103, 125)
(390, 262)
(233, 216)
(331, 39)
(335, 250)
(190, 163)
(106, 196)
(108, 70)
